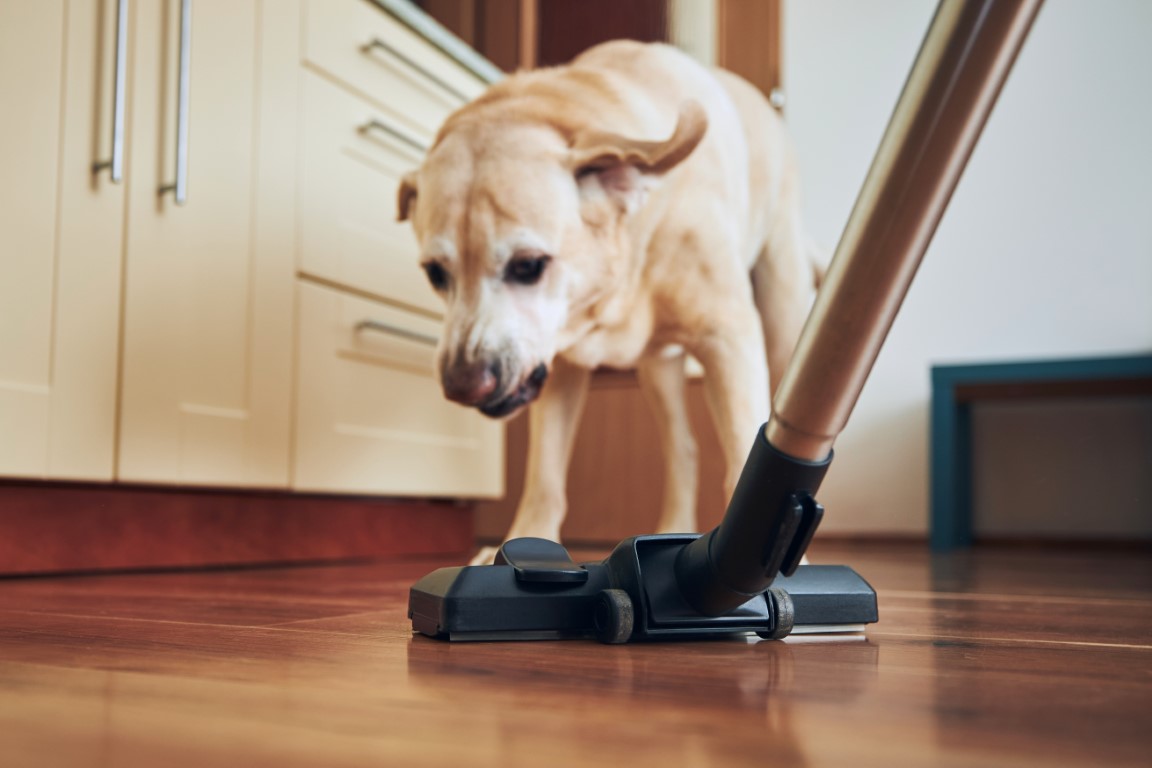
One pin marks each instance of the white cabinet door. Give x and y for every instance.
(371, 417)
(61, 226)
(376, 57)
(351, 162)
(206, 377)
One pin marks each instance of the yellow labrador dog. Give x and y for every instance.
(623, 210)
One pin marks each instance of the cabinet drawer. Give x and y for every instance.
(370, 414)
(350, 175)
(383, 60)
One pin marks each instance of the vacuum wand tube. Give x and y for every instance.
(959, 71)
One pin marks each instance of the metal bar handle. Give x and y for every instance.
(403, 138)
(180, 187)
(395, 330)
(415, 66)
(116, 164)
(962, 65)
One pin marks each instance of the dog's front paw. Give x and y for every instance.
(486, 556)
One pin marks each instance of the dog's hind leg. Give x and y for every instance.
(783, 279)
(552, 423)
(736, 384)
(662, 380)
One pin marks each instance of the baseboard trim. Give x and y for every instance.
(80, 527)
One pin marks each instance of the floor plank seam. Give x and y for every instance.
(1009, 640)
(137, 619)
(1126, 601)
(357, 615)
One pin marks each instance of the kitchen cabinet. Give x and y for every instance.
(62, 225)
(191, 322)
(351, 162)
(370, 416)
(199, 293)
(208, 304)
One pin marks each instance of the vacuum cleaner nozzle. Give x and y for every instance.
(676, 586)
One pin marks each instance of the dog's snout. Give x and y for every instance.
(539, 375)
(471, 383)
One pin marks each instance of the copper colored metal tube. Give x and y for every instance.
(962, 64)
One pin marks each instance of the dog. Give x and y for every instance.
(624, 210)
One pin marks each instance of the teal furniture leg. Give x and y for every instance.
(951, 466)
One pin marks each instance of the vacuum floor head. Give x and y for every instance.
(536, 592)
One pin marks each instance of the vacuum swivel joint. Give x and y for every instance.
(769, 523)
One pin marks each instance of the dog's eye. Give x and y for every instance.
(526, 270)
(437, 275)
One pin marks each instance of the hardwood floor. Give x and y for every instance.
(997, 657)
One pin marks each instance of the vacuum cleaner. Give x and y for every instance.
(745, 576)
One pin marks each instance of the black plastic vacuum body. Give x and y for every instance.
(664, 586)
(628, 597)
(744, 576)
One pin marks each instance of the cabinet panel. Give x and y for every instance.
(350, 175)
(371, 417)
(404, 74)
(207, 339)
(61, 255)
(31, 44)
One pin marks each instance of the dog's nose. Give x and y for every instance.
(471, 383)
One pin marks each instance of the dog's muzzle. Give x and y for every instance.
(472, 383)
(526, 392)
(479, 385)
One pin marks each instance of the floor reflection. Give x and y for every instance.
(756, 684)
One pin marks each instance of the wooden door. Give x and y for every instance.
(209, 283)
(748, 42)
(567, 29)
(60, 256)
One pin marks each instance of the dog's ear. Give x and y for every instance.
(625, 166)
(406, 197)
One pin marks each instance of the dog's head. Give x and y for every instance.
(522, 232)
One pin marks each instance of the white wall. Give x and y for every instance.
(1046, 250)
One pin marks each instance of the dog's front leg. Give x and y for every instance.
(552, 423)
(662, 379)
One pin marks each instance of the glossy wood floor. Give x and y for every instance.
(1001, 657)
